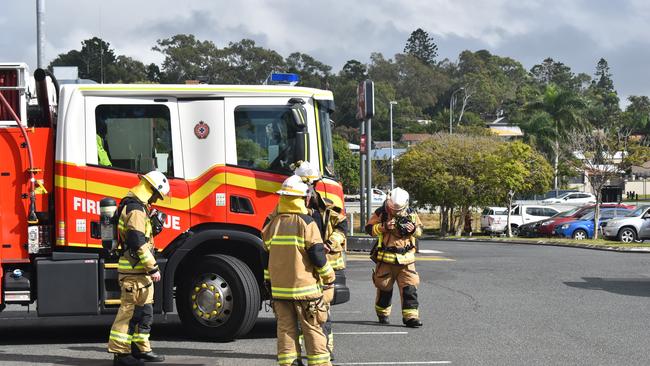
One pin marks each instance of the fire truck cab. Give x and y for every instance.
(225, 148)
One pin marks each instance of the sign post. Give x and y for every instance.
(365, 112)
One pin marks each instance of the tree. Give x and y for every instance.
(187, 58)
(246, 63)
(449, 172)
(346, 164)
(126, 70)
(604, 109)
(354, 70)
(313, 73)
(421, 46)
(93, 60)
(555, 72)
(596, 149)
(518, 169)
(564, 108)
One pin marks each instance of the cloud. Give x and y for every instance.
(576, 32)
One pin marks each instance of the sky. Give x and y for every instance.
(575, 32)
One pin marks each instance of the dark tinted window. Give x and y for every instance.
(265, 137)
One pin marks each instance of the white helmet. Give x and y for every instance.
(158, 181)
(398, 199)
(307, 172)
(293, 186)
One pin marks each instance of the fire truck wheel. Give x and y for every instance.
(218, 298)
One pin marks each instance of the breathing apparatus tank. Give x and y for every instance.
(108, 223)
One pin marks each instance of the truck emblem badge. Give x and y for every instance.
(201, 130)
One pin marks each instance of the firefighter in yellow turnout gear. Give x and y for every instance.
(297, 272)
(333, 225)
(137, 268)
(396, 228)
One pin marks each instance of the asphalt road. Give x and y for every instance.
(482, 304)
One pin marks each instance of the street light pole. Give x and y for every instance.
(451, 107)
(392, 179)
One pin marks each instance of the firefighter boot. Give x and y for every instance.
(297, 362)
(383, 319)
(150, 356)
(126, 360)
(412, 323)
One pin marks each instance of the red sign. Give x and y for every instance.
(362, 145)
(365, 100)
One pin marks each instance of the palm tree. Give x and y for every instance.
(564, 107)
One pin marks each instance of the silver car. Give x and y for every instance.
(634, 227)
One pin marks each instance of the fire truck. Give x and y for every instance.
(226, 150)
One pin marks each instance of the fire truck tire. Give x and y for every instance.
(218, 298)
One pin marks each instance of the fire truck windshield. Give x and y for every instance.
(325, 130)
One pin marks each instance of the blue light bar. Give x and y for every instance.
(282, 78)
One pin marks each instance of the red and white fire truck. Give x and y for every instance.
(225, 149)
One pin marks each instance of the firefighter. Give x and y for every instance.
(297, 273)
(332, 225)
(137, 268)
(396, 227)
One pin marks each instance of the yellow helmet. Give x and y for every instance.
(293, 186)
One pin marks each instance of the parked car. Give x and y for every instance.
(583, 228)
(572, 198)
(547, 227)
(378, 196)
(520, 215)
(633, 227)
(530, 230)
(487, 216)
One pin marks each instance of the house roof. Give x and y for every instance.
(415, 137)
(506, 131)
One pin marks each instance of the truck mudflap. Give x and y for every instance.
(341, 290)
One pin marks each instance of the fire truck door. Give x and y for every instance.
(204, 146)
(127, 137)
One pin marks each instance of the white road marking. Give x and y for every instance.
(367, 333)
(396, 363)
(429, 251)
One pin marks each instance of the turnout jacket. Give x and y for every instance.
(297, 264)
(136, 239)
(392, 247)
(332, 225)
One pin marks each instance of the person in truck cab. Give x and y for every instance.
(137, 268)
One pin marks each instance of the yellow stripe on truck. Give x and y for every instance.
(181, 204)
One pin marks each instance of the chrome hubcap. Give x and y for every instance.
(579, 235)
(627, 236)
(211, 300)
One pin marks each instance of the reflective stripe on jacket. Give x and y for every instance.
(136, 241)
(391, 240)
(297, 263)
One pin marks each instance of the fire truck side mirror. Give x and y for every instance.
(299, 114)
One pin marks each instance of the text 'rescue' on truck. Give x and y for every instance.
(225, 148)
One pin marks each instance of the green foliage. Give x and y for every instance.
(246, 63)
(346, 164)
(187, 58)
(463, 170)
(421, 46)
(93, 60)
(312, 73)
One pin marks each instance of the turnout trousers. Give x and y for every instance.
(384, 276)
(310, 315)
(135, 316)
